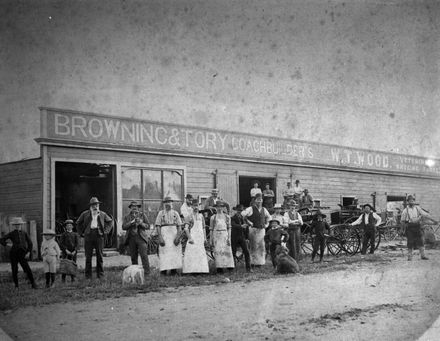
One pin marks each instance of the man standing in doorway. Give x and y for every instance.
(137, 225)
(92, 225)
(368, 220)
(411, 222)
(268, 197)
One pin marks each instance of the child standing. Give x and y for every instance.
(318, 227)
(69, 246)
(50, 251)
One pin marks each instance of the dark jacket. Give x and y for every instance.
(69, 241)
(237, 231)
(371, 222)
(140, 229)
(319, 228)
(20, 241)
(105, 223)
(275, 236)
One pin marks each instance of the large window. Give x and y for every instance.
(149, 187)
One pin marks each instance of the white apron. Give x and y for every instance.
(195, 259)
(170, 255)
(257, 247)
(222, 251)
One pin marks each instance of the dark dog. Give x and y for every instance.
(285, 264)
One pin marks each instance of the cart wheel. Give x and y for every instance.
(389, 232)
(352, 241)
(306, 239)
(333, 246)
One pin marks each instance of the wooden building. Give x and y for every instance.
(119, 159)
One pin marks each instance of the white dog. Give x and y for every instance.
(133, 274)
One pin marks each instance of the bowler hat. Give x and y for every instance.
(68, 221)
(219, 203)
(167, 199)
(409, 197)
(276, 220)
(258, 195)
(134, 203)
(319, 213)
(48, 232)
(188, 196)
(17, 221)
(239, 207)
(365, 205)
(94, 200)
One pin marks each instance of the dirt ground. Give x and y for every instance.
(397, 300)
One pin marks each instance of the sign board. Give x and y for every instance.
(93, 129)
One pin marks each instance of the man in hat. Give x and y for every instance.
(411, 223)
(21, 245)
(186, 208)
(368, 220)
(169, 229)
(318, 228)
(69, 242)
(294, 222)
(276, 236)
(239, 234)
(257, 217)
(288, 193)
(307, 200)
(137, 225)
(268, 196)
(92, 225)
(212, 200)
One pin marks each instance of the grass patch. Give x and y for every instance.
(111, 285)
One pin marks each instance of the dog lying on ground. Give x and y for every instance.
(285, 264)
(133, 274)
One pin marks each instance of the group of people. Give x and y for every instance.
(252, 228)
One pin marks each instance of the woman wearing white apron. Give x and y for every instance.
(257, 217)
(195, 259)
(168, 225)
(220, 227)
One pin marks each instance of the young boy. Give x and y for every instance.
(277, 235)
(50, 251)
(21, 245)
(69, 246)
(318, 228)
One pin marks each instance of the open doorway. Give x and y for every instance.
(76, 183)
(246, 183)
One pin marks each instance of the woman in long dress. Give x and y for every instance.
(195, 259)
(220, 227)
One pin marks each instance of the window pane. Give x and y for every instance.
(151, 209)
(152, 185)
(172, 184)
(131, 183)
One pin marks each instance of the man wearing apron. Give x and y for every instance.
(257, 217)
(169, 227)
(411, 222)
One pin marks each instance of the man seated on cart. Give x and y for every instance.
(368, 220)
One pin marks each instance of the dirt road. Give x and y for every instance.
(394, 301)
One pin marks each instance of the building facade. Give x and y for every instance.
(120, 159)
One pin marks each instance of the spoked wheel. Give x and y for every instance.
(377, 239)
(390, 231)
(351, 242)
(333, 245)
(306, 239)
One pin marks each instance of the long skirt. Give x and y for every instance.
(414, 235)
(222, 251)
(257, 247)
(170, 255)
(195, 259)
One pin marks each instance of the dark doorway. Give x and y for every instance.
(246, 183)
(76, 183)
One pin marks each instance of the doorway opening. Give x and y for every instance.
(76, 183)
(246, 183)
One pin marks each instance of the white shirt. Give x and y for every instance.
(254, 191)
(94, 224)
(413, 214)
(358, 221)
(298, 221)
(249, 211)
(185, 210)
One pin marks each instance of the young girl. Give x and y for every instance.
(50, 251)
(69, 245)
